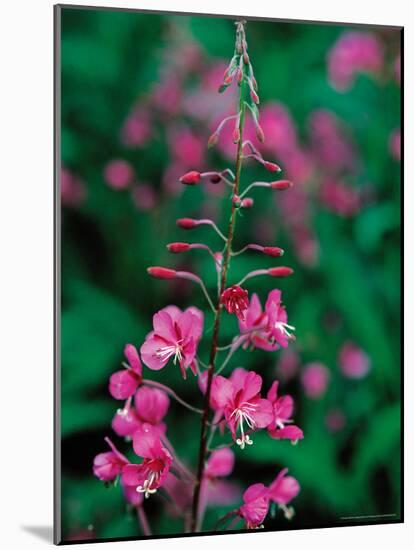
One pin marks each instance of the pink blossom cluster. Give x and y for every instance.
(235, 407)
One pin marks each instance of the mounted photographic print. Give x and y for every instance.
(228, 274)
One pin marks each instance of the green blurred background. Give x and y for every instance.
(139, 101)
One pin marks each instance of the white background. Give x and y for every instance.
(26, 244)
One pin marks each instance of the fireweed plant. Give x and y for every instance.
(232, 404)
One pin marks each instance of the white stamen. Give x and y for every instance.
(283, 327)
(168, 351)
(146, 487)
(243, 414)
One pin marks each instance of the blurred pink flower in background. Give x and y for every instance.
(335, 420)
(288, 364)
(144, 197)
(354, 52)
(395, 144)
(340, 197)
(119, 174)
(353, 361)
(72, 189)
(136, 130)
(186, 147)
(315, 379)
(331, 147)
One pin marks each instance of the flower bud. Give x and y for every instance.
(236, 201)
(236, 135)
(271, 166)
(259, 133)
(212, 140)
(191, 178)
(274, 251)
(246, 58)
(215, 178)
(228, 80)
(255, 97)
(186, 223)
(247, 202)
(161, 272)
(176, 248)
(239, 75)
(281, 185)
(280, 271)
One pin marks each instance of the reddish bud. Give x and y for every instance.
(239, 75)
(260, 134)
(247, 203)
(236, 201)
(161, 272)
(280, 271)
(212, 140)
(186, 223)
(281, 185)
(176, 248)
(254, 96)
(246, 58)
(271, 166)
(274, 251)
(191, 178)
(236, 300)
(228, 80)
(215, 178)
(236, 135)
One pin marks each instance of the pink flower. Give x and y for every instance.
(353, 361)
(119, 174)
(125, 421)
(151, 405)
(239, 399)
(282, 413)
(176, 335)
(354, 52)
(235, 300)
(148, 476)
(220, 463)
(255, 327)
(315, 379)
(107, 466)
(282, 490)
(256, 505)
(215, 490)
(277, 319)
(124, 383)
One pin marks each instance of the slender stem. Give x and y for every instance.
(216, 327)
(224, 518)
(172, 393)
(143, 521)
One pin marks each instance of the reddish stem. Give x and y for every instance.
(216, 327)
